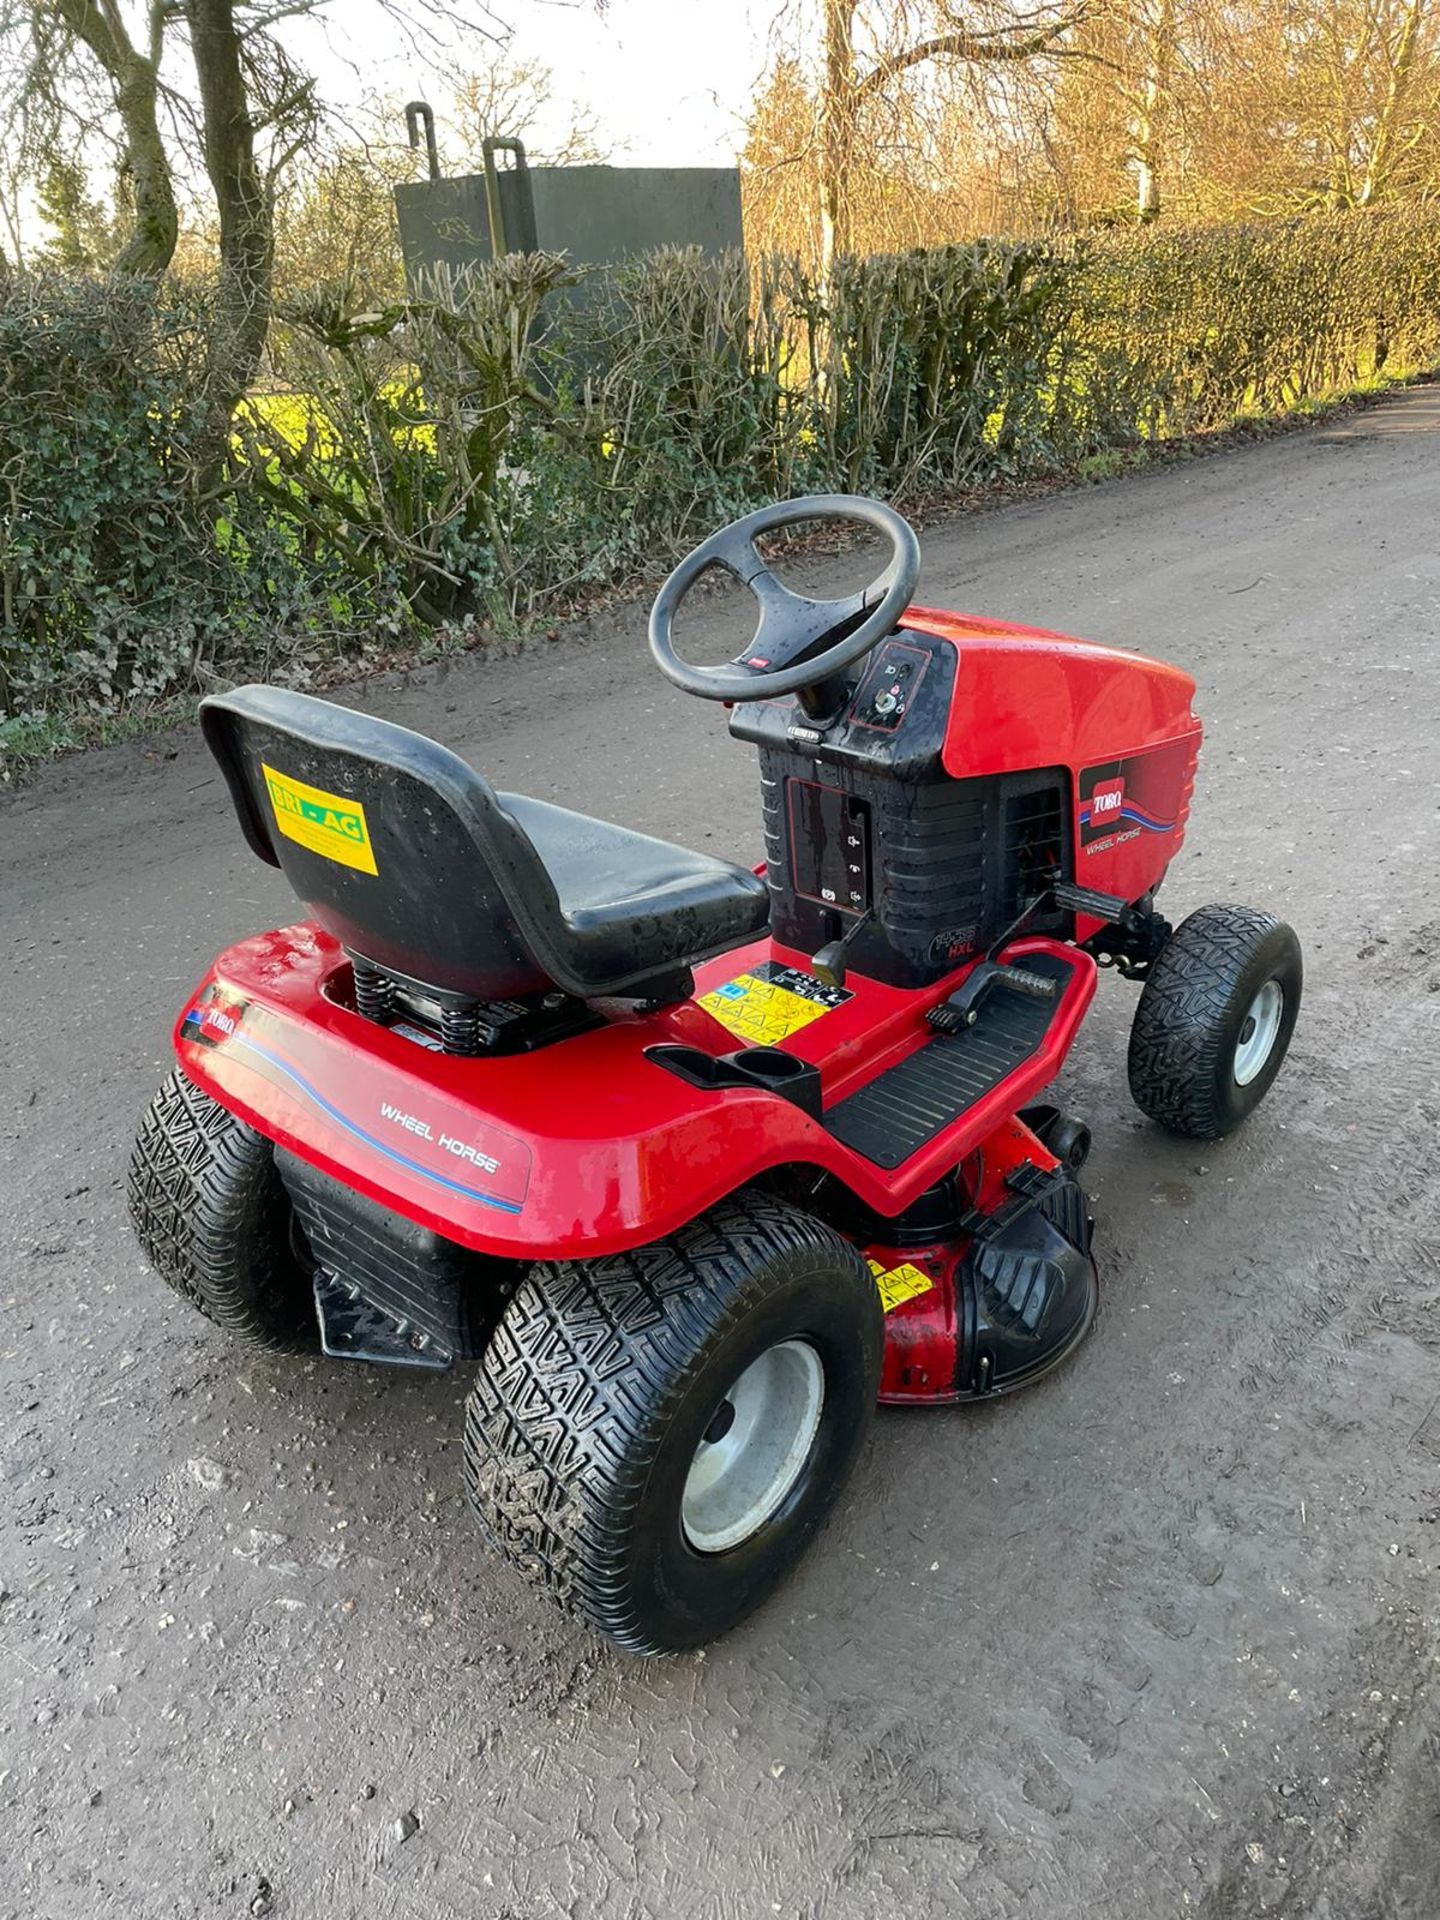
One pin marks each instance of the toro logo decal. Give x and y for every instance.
(211, 1020)
(1118, 800)
(1107, 802)
(323, 823)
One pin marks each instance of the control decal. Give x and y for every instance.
(770, 1002)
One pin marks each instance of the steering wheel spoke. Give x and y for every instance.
(794, 623)
(734, 550)
(797, 641)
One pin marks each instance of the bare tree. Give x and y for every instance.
(1367, 86)
(244, 103)
(48, 43)
(335, 216)
(1219, 108)
(874, 129)
(519, 100)
(867, 52)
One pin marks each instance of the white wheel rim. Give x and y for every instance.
(755, 1447)
(1258, 1032)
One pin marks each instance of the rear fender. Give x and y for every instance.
(584, 1147)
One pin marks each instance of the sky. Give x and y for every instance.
(669, 81)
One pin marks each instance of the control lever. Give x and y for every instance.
(828, 963)
(1109, 907)
(962, 1009)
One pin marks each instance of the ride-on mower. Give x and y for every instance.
(695, 1163)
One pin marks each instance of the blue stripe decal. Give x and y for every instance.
(350, 1126)
(1087, 819)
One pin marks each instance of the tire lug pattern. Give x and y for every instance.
(1183, 1023)
(582, 1378)
(213, 1218)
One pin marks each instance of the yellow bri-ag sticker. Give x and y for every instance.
(770, 1003)
(325, 823)
(899, 1284)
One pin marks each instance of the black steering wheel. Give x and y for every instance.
(782, 656)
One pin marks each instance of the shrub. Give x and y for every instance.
(1174, 331)
(131, 563)
(502, 438)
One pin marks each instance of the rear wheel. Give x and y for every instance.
(215, 1221)
(655, 1436)
(1215, 1019)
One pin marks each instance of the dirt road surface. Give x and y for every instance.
(1158, 1639)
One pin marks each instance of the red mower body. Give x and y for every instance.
(592, 1144)
(693, 1161)
(1123, 727)
(584, 1148)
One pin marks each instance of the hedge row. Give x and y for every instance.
(508, 440)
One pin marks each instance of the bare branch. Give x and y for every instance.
(960, 45)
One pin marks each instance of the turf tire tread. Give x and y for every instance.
(1178, 1035)
(579, 1383)
(214, 1219)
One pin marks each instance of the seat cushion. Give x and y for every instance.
(630, 902)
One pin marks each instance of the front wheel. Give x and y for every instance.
(654, 1437)
(1214, 1020)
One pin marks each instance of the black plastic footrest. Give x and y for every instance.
(352, 1329)
(902, 1109)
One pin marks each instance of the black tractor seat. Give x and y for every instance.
(616, 887)
(413, 862)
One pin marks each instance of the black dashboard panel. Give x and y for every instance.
(860, 813)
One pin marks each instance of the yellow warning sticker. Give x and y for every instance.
(325, 823)
(899, 1284)
(759, 1011)
(770, 1003)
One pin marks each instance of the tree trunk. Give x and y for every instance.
(247, 222)
(1147, 186)
(1152, 111)
(151, 244)
(837, 134)
(135, 79)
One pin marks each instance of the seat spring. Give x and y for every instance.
(460, 1029)
(374, 994)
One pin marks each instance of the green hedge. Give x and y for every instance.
(511, 439)
(1171, 332)
(134, 561)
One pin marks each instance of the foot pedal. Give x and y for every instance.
(351, 1329)
(962, 1009)
(1108, 907)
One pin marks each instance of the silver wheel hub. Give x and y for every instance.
(1258, 1032)
(754, 1448)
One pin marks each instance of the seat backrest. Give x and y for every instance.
(396, 846)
